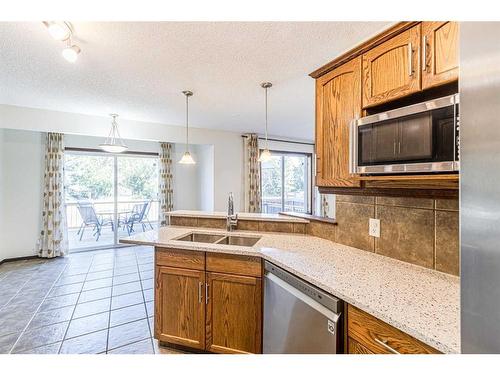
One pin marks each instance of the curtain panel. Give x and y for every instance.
(252, 183)
(166, 188)
(53, 240)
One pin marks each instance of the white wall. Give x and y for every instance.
(227, 146)
(21, 187)
(2, 256)
(205, 160)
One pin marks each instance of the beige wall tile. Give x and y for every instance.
(354, 199)
(184, 221)
(352, 225)
(447, 242)
(405, 202)
(447, 204)
(299, 228)
(211, 223)
(248, 225)
(322, 230)
(406, 234)
(270, 226)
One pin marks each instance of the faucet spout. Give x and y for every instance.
(232, 218)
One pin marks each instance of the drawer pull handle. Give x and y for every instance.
(385, 345)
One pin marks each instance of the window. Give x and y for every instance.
(109, 197)
(286, 183)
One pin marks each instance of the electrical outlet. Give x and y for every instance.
(374, 227)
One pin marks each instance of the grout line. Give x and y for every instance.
(38, 308)
(110, 300)
(74, 308)
(151, 333)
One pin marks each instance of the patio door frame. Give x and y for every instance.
(98, 152)
(308, 172)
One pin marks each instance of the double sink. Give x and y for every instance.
(221, 239)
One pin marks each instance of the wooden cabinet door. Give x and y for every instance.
(439, 53)
(234, 314)
(392, 69)
(180, 307)
(338, 103)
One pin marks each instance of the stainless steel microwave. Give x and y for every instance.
(420, 138)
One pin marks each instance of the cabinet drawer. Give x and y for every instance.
(194, 260)
(381, 338)
(234, 264)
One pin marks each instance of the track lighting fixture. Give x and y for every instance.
(63, 31)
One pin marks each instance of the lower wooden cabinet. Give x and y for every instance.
(180, 308)
(356, 348)
(369, 335)
(234, 314)
(213, 311)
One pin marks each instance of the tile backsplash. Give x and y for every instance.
(415, 230)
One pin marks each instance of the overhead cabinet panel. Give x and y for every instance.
(338, 103)
(392, 69)
(439, 53)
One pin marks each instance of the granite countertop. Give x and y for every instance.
(241, 216)
(421, 302)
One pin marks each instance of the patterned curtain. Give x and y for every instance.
(53, 241)
(253, 173)
(166, 182)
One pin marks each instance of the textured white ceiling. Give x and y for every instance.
(138, 69)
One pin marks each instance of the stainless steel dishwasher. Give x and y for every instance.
(298, 317)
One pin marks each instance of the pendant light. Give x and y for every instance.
(114, 143)
(187, 158)
(265, 155)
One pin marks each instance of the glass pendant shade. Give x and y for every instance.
(187, 159)
(265, 155)
(114, 143)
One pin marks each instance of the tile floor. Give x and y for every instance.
(92, 302)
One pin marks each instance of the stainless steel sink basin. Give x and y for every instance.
(219, 239)
(201, 237)
(238, 240)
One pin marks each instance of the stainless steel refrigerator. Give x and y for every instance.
(480, 186)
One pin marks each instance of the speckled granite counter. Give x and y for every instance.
(421, 302)
(241, 216)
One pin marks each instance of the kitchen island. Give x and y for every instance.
(420, 302)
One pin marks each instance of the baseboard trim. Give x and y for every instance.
(7, 260)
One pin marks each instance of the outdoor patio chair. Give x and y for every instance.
(91, 219)
(137, 216)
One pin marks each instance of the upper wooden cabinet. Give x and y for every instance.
(392, 69)
(439, 53)
(338, 103)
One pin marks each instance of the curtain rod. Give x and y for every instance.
(281, 140)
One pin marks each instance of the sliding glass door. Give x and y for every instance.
(109, 197)
(286, 183)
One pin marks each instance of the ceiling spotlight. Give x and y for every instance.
(58, 30)
(70, 53)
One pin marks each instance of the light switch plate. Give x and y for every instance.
(374, 227)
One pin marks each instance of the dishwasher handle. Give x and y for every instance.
(331, 315)
(327, 300)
